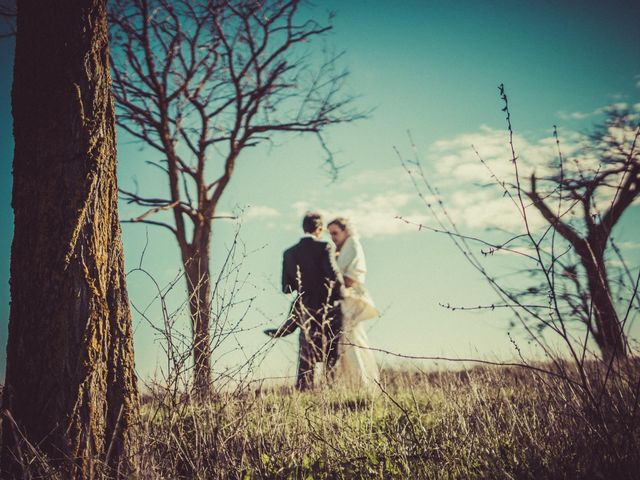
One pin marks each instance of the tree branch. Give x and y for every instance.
(562, 228)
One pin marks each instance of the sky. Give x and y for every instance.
(428, 68)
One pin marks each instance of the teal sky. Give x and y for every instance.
(428, 67)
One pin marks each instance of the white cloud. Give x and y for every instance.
(470, 171)
(619, 105)
(474, 169)
(301, 207)
(260, 212)
(573, 115)
(615, 106)
(629, 245)
(377, 215)
(385, 202)
(478, 210)
(377, 178)
(372, 214)
(456, 159)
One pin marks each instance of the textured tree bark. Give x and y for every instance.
(70, 380)
(608, 331)
(198, 276)
(610, 338)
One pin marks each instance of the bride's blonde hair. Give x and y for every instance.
(343, 223)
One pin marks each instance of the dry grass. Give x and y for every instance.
(479, 423)
(482, 423)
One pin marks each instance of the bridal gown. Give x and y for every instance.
(356, 366)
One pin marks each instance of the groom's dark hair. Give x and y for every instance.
(311, 222)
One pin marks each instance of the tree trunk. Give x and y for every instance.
(70, 381)
(198, 276)
(610, 337)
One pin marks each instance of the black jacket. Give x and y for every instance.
(309, 267)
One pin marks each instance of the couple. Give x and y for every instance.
(330, 306)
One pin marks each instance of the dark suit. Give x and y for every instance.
(309, 268)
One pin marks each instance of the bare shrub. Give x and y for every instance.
(574, 312)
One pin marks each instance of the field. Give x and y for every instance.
(498, 423)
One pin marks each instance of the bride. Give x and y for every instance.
(356, 366)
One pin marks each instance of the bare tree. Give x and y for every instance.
(200, 82)
(70, 389)
(601, 183)
(571, 256)
(562, 294)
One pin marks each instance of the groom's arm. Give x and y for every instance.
(288, 275)
(289, 285)
(290, 324)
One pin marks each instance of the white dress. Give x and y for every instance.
(356, 366)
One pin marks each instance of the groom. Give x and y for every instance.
(309, 268)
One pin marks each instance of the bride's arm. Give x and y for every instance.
(355, 267)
